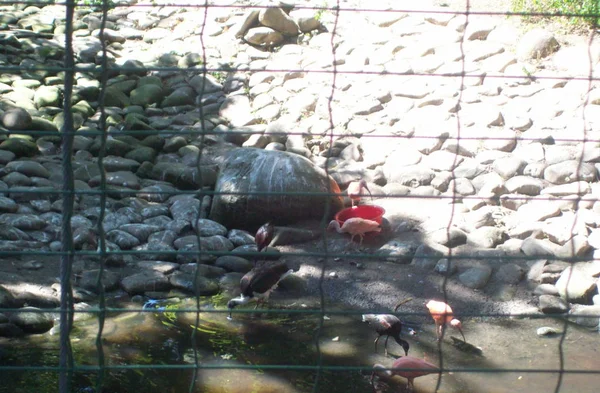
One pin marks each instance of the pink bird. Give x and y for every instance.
(416, 368)
(355, 226)
(442, 314)
(355, 190)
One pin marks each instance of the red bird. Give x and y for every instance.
(416, 368)
(355, 190)
(263, 236)
(442, 314)
(355, 226)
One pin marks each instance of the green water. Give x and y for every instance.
(231, 355)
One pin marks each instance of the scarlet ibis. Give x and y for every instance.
(407, 367)
(387, 325)
(355, 226)
(442, 314)
(355, 190)
(263, 236)
(258, 283)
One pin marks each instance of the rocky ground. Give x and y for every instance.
(496, 172)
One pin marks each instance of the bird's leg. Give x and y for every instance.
(410, 385)
(377, 339)
(442, 331)
(438, 330)
(386, 339)
(361, 239)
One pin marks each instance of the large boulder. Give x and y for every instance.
(248, 170)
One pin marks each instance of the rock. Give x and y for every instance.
(536, 44)
(31, 320)
(476, 277)
(510, 273)
(576, 287)
(47, 96)
(446, 267)
(537, 247)
(569, 171)
(16, 119)
(7, 299)
(158, 266)
(426, 257)
(145, 282)
(585, 315)
(577, 246)
(546, 289)
(182, 176)
(239, 237)
(147, 95)
(524, 185)
(109, 282)
(237, 111)
(289, 235)
(264, 37)
(412, 175)
(10, 330)
(19, 147)
(486, 237)
(205, 227)
(234, 264)
(451, 237)
(253, 170)
(397, 251)
(278, 20)
(549, 304)
(202, 286)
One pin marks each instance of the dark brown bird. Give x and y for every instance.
(355, 191)
(388, 325)
(263, 236)
(258, 283)
(414, 368)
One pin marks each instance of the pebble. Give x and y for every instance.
(517, 184)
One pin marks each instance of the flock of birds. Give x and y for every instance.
(260, 281)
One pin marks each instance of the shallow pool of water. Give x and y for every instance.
(243, 355)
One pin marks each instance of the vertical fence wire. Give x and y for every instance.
(327, 210)
(68, 133)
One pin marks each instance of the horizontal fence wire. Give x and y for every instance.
(68, 365)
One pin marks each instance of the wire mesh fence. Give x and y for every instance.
(144, 143)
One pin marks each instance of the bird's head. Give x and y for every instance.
(380, 370)
(333, 225)
(456, 324)
(367, 317)
(405, 346)
(232, 304)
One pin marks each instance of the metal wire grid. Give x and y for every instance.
(67, 366)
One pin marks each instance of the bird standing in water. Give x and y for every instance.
(388, 325)
(442, 314)
(355, 190)
(419, 368)
(355, 226)
(258, 283)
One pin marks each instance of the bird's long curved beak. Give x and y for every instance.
(369, 191)
(462, 334)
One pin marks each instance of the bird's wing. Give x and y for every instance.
(245, 284)
(388, 320)
(267, 276)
